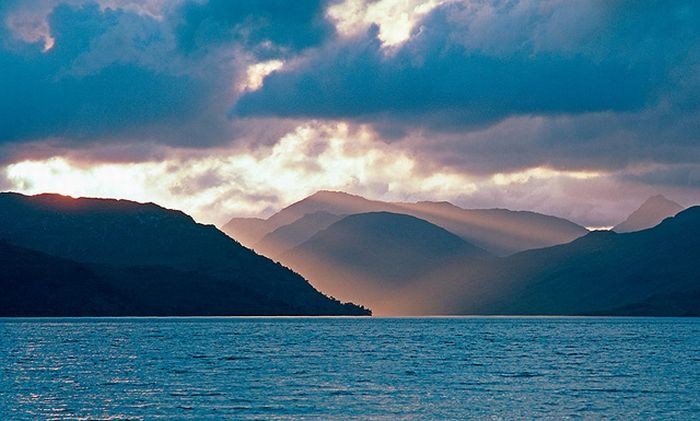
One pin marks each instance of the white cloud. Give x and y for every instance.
(522, 177)
(214, 187)
(217, 184)
(255, 73)
(395, 18)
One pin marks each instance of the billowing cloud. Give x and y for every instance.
(487, 86)
(124, 71)
(214, 184)
(395, 19)
(102, 75)
(476, 62)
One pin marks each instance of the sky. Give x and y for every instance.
(580, 109)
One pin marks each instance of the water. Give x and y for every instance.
(341, 368)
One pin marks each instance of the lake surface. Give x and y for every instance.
(340, 368)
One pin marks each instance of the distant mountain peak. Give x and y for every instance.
(659, 198)
(654, 210)
(500, 231)
(333, 193)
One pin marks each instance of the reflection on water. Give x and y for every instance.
(208, 368)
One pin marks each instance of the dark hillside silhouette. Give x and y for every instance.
(649, 272)
(125, 234)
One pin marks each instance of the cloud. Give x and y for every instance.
(485, 87)
(79, 71)
(240, 107)
(214, 185)
(591, 141)
(485, 61)
(395, 18)
(104, 75)
(270, 27)
(677, 175)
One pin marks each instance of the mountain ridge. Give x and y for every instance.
(291, 235)
(126, 234)
(499, 231)
(597, 274)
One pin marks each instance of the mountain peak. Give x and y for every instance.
(654, 210)
(658, 199)
(331, 193)
(375, 257)
(377, 235)
(499, 231)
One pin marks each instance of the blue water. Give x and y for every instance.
(335, 368)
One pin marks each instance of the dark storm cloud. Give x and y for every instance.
(116, 75)
(593, 141)
(494, 86)
(461, 67)
(81, 88)
(266, 27)
(682, 175)
(469, 90)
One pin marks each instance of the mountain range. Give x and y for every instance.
(159, 261)
(499, 231)
(648, 272)
(94, 257)
(401, 264)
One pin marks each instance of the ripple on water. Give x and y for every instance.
(334, 368)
